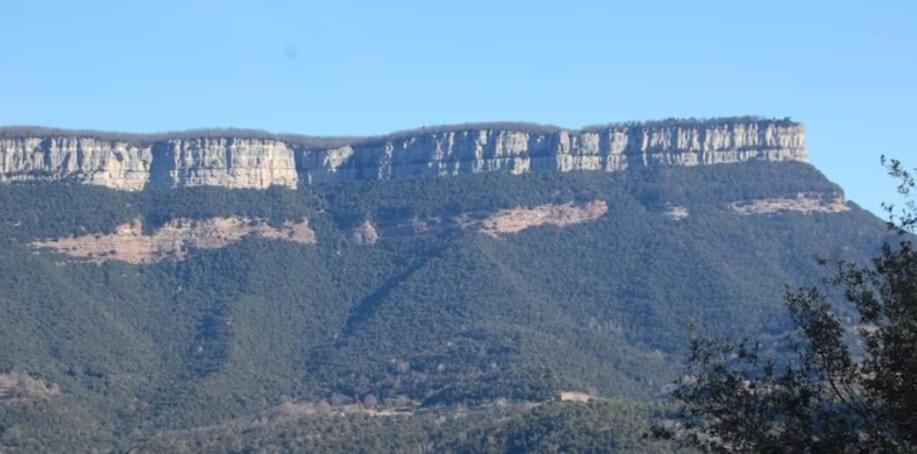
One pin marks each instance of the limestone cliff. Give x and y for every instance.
(118, 165)
(133, 162)
(226, 162)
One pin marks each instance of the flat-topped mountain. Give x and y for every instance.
(200, 291)
(252, 159)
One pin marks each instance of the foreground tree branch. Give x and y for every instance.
(851, 387)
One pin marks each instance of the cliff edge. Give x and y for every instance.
(253, 159)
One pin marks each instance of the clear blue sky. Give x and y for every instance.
(848, 70)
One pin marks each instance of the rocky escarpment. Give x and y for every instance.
(118, 165)
(226, 162)
(241, 160)
(129, 243)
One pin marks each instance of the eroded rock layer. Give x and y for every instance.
(18, 387)
(229, 159)
(802, 202)
(173, 240)
(516, 220)
(178, 237)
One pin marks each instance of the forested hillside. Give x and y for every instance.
(397, 330)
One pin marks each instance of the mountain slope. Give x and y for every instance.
(433, 312)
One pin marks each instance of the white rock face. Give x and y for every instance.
(608, 149)
(239, 162)
(118, 165)
(230, 163)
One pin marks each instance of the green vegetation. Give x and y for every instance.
(846, 386)
(550, 427)
(438, 320)
(306, 141)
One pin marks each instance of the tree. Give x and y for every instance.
(848, 380)
(369, 402)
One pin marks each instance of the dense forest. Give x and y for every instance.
(448, 339)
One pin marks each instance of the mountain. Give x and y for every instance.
(453, 287)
